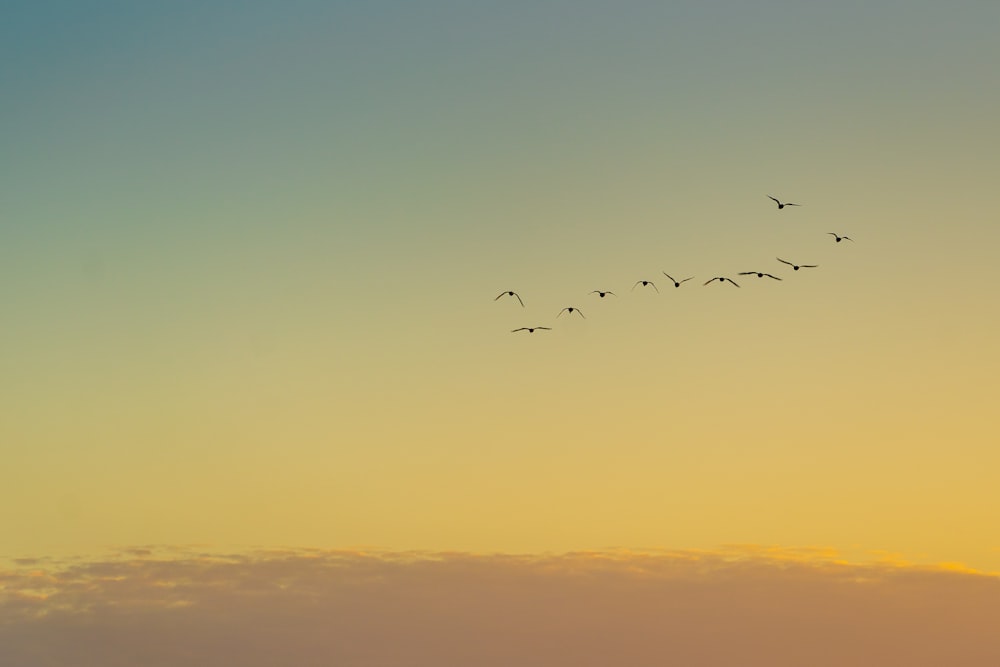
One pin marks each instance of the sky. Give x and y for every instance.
(249, 255)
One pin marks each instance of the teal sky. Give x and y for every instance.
(248, 255)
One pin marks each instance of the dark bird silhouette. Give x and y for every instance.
(759, 274)
(514, 294)
(780, 205)
(838, 239)
(720, 279)
(603, 294)
(571, 310)
(531, 329)
(645, 283)
(797, 266)
(675, 282)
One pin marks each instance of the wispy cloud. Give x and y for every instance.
(744, 604)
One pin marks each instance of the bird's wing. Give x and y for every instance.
(732, 281)
(500, 295)
(519, 299)
(832, 234)
(687, 279)
(668, 276)
(708, 281)
(775, 200)
(611, 293)
(848, 238)
(636, 285)
(808, 266)
(561, 312)
(770, 276)
(545, 328)
(654, 286)
(581, 313)
(521, 329)
(784, 262)
(788, 203)
(747, 273)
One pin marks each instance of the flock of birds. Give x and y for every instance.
(569, 310)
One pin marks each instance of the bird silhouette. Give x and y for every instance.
(720, 279)
(531, 329)
(603, 294)
(780, 205)
(759, 274)
(571, 310)
(509, 293)
(675, 282)
(645, 283)
(797, 266)
(838, 239)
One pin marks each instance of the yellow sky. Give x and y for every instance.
(248, 284)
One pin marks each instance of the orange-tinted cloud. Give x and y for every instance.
(743, 605)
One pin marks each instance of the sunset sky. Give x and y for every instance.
(249, 253)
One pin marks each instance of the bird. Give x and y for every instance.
(780, 205)
(645, 283)
(531, 329)
(720, 279)
(759, 274)
(797, 266)
(838, 239)
(571, 310)
(604, 293)
(509, 293)
(675, 282)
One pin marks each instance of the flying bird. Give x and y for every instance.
(603, 294)
(759, 274)
(838, 239)
(645, 283)
(720, 279)
(780, 205)
(675, 282)
(531, 329)
(797, 266)
(571, 310)
(508, 293)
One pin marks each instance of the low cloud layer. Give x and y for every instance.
(742, 605)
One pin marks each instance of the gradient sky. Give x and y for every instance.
(249, 250)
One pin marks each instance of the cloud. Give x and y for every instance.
(744, 604)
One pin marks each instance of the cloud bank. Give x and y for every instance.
(740, 605)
